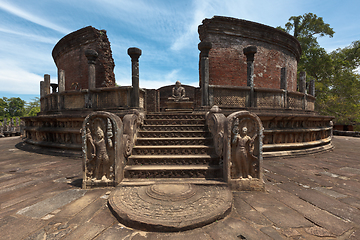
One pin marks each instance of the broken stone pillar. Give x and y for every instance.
(135, 53)
(91, 56)
(46, 84)
(250, 53)
(42, 92)
(61, 80)
(312, 87)
(204, 47)
(302, 82)
(302, 87)
(283, 85)
(5, 125)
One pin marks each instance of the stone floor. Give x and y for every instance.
(309, 197)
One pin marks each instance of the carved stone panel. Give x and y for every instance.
(102, 147)
(243, 151)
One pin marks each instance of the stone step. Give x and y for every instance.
(175, 116)
(207, 141)
(185, 127)
(172, 150)
(174, 121)
(168, 134)
(173, 171)
(180, 160)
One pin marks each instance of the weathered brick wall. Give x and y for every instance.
(227, 62)
(69, 55)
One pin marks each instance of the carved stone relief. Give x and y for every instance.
(244, 163)
(243, 151)
(215, 121)
(102, 133)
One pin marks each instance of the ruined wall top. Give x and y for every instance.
(240, 27)
(69, 55)
(229, 37)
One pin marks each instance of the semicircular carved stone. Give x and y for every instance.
(102, 146)
(243, 151)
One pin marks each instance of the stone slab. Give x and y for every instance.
(275, 211)
(244, 230)
(320, 217)
(46, 206)
(115, 232)
(245, 211)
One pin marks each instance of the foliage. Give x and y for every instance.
(32, 108)
(336, 81)
(16, 107)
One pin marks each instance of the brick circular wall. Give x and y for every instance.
(227, 62)
(69, 55)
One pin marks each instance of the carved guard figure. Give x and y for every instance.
(103, 162)
(243, 157)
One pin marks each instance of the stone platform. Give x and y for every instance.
(309, 197)
(170, 206)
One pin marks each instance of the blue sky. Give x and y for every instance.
(165, 30)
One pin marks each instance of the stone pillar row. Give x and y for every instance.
(92, 56)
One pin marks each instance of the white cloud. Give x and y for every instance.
(32, 18)
(15, 79)
(32, 37)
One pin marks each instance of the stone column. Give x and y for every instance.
(42, 91)
(91, 56)
(302, 87)
(46, 84)
(250, 53)
(302, 82)
(135, 53)
(61, 80)
(204, 47)
(312, 87)
(283, 85)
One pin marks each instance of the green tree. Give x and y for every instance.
(16, 107)
(336, 79)
(314, 59)
(3, 108)
(32, 108)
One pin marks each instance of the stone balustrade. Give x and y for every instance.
(264, 98)
(99, 98)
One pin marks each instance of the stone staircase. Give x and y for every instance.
(173, 145)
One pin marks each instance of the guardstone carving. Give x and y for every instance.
(243, 151)
(102, 146)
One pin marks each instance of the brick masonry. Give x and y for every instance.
(69, 55)
(227, 62)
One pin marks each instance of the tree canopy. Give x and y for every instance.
(16, 107)
(337, 81)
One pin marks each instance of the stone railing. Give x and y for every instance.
(11, 128)
(264, 98)
(99, 98)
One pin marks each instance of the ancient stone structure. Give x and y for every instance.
(171, 147)
(69, 57)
